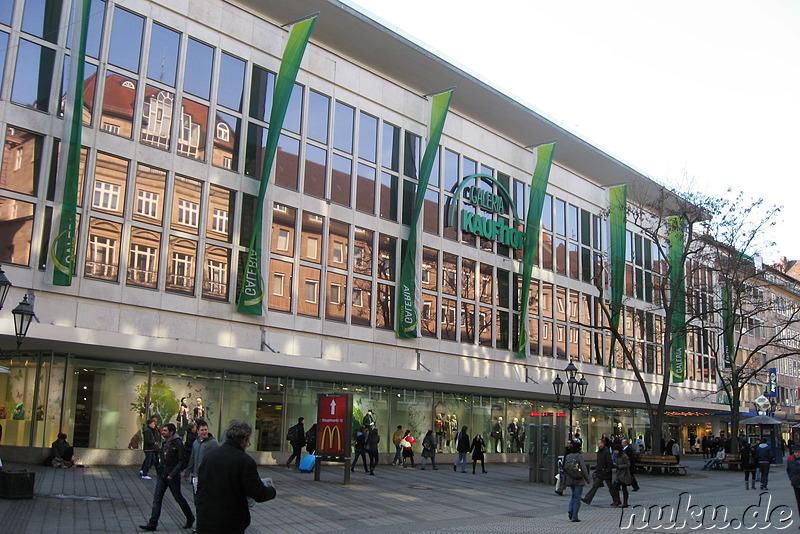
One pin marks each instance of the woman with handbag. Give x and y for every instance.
(406, 444)
(478, 447)
(624, 476)
(577, 477)
(429, 450)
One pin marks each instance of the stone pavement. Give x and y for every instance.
(112, 499)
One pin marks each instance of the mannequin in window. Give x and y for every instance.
(497, 435)
(512, 435)
(369, 420)
(521, 435)
(438, 427)
(199, 410)
(183, 416)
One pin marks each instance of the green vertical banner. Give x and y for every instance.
(618, 225)
(251, 297)
(728, 327)
(533, 222)
(677, 285)
(62, 248)
(407, 299)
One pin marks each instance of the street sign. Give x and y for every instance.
(333, 424)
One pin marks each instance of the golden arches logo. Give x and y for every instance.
(332, 432)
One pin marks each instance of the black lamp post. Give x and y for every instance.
(23, 315)
(575, 386)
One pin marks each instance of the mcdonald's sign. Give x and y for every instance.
(333, 424)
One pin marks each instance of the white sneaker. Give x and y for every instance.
(145, 477)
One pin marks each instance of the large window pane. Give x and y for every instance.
(220, 214)
(428, 315)
(430, 269)
(336, 304)
(384, 314)
(261, 89)
(390, 157)
(94, 35)
(308, 303)
(368, 137)
(316, 164)
(338, 241)
(254, 151)
(16, 230)
(287, 165)
(157, 117)
(193, 129)
(365, 189)
(227, 131)
(102, 250)
(3, 46)
(389, 196)
(279, 288)
(150, 184)
(51, 184)
(199, 61)
(110, 181)
(216, 269)
(294, 111)
(182, 265)
(42, 19)
(186, 200)
(361, 306)
(318, 112)
(162, 65)
(341, 172)
(22, 159)
(284, 222)
(363, 251)
(6, 10)
(451, 175)
(119, 104)
(311, 242)
(143, 258)
(33, 76)
(387, 254)
(231, 86)
(430, 212)
(90, 74)
(126, 40)
(412, 155)
(344, 119)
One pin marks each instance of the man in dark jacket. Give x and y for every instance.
(765, 457)
(227, 477)
(297, 438)
(151, 439)
(605, 465)
(633, 457)
(170, 464)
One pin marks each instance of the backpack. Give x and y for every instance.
(292, 435)
(573, 468)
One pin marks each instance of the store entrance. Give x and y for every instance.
(269, 413)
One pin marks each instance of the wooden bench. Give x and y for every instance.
(733, 461)
(656, 462)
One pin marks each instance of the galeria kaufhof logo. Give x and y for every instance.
(477, 190)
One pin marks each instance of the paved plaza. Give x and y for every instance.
(112, 499)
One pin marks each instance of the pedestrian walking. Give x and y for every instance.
(793, 472)
(429, 450)
(360, 451)
(633, 457)
(397, 437)
(562, 478)
(228, 476)
(477, 449)
(624, 475)
(151, 441)
(296, 438)
(765, 458)
(576, 480)
(462, 448)
(311, 439)
(605, 464)
(373, 438)
(407, 444)
(171, 461)
(749, 464)
(205, 443)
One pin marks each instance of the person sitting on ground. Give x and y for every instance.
(713, 463)
(61, 452)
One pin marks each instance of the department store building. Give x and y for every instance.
(177, 100)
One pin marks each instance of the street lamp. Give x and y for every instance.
(23, 315)
(5, 285)
(575, 386)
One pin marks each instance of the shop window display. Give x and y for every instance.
(489, 416)
(412, 409)
(371, 409)
(17, 409)
(451, 411)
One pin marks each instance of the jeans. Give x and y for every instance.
(425, 462)
(297, 452)
(575, 502)
(373, 460)
(360, 453)
(174, 485)
(763, 467)
(149, 460)
(462, 459)
(397, 458)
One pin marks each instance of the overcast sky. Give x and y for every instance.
(687, 92)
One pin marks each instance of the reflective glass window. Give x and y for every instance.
(42, 18)
(220, 213)
(387, 253)
(199, 61)
(430, 269)
(448, 319)
(216, 272)
(162, 66)
(262, 87)
(363, 248)
(412, 155)
(149, 203)
(110, 182)
(433, 181)
(428, 315)
(287, 162)
(51, 184)
(231, 86)
(390, 154)
(119, 104)
(126, 40)
(341, 172)
(254, 150)
(94, 34)
(361, 302)
(186, 201)
(389, 196)
(279, 290)
(90, 73)
(143, 258)
(4, 47)
(338, 241)
(311, 237)
(6, 10)
(157, 113)
(102, 250)
(315, 166)
(294, 111)
(409, 193)
(284, 222)
(561, 217)
(468, 279)
(430, 212)
(227, 131)
(485, 283)
(22, 160)
(249, 203)
(365, 189)
(368, 137)
(318, 113)
(384, 307)
(33, 76)
(343, 121)
(484, 324)
(547, 212)
(308, 303)
(336, 297)
(182, 265)
(451, 174)
(193, 129)
(16, 220)
(449, 274)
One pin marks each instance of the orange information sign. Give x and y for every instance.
(333, 424)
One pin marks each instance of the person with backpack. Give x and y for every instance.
(372, 449)
(296, 438)
(429, 450)
(311, 439)
(604, 472)
(562, 478)
(577, 476)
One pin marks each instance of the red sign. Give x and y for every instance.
(333, 418)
